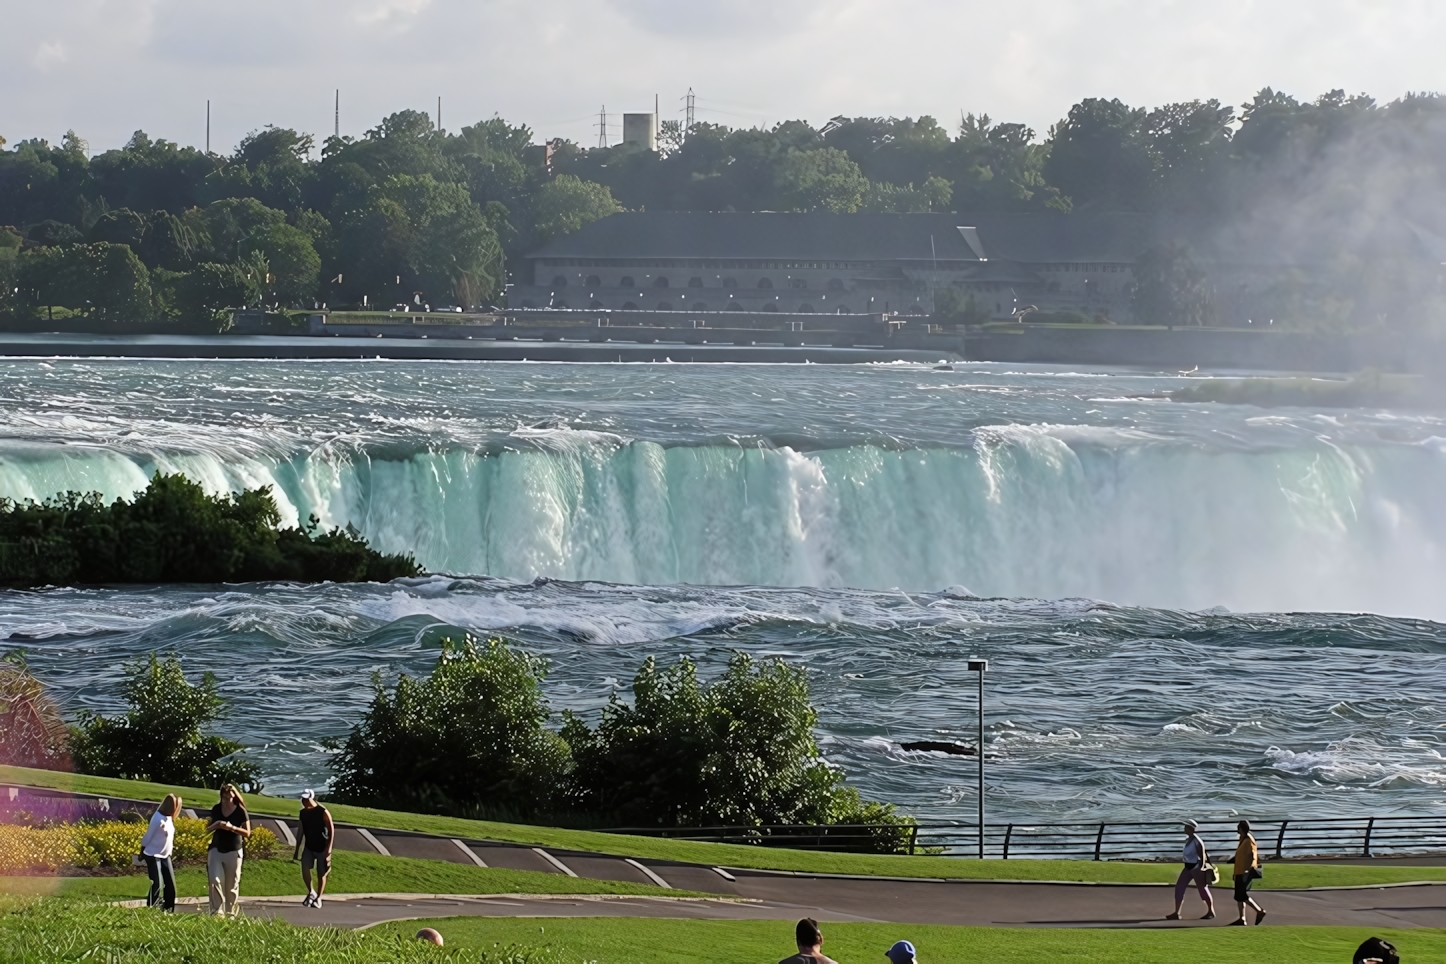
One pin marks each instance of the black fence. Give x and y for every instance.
(1344, 837)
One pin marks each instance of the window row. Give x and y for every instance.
(627, 281)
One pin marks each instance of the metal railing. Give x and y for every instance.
(1341, 837)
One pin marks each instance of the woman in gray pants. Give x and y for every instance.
(1196, 860)
(230, 827)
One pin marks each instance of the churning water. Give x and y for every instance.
(881, 523)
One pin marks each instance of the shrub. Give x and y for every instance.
(160, 738)
(109, 843)
(175, 532)
(32, 732)
(739, 752)
(469, 740)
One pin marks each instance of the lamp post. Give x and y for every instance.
(980, 666)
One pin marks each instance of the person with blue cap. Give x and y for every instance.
(901, 953)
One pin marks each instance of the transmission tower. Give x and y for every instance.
(602, 126)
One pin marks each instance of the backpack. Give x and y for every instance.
(1376, 949)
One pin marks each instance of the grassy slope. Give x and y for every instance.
(734, 855)
(625, 941)
(352, 873)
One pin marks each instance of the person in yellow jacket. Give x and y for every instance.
(1247, 860)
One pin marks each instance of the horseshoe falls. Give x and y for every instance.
(1126, 561)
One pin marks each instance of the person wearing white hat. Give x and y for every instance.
(1196, 869)
(317, 835)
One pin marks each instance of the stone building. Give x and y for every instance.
(838, 263)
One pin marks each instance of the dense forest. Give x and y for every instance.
(156, 232)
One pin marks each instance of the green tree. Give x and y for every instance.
(292, 257)
(953, 307)
(821, 180)
(468, 740)
(207, 293)
(1099, 156)
(738, 752)
(160, 738)
(103, 281)
(566, 203)
(1170, 289)
(907, 199)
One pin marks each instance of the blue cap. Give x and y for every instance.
(901, 953)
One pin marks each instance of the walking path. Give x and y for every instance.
(776, 895)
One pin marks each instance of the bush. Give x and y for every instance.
(954, 307)
(110, 844)
(738, 752)
(175, 532)
(160, 739)
(467, 741)
(32, 733)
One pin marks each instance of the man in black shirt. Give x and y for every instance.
(317, 833)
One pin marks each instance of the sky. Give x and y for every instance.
(106, 68)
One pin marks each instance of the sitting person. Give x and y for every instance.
(809, 939)
(901, 953)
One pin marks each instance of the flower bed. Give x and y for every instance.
(91, 845)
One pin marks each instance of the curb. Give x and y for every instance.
(340, 898)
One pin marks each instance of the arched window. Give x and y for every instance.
(593, 281)
(695, 282)
(797, 283)
(765, 283)
(559, 281)
(733, 306)
(805, 309)
(664, 306)
(843, 310)
(730, 282)
(700, 306)
(595, 304)
(835, 284)
(661, 282)
(626, 281)
(629, 306)
(770, 307)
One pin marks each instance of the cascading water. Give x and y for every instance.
(875, 488)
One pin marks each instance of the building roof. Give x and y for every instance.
(858, 237)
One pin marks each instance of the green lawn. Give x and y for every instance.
(352, 873)
(632, 941)
(737, 855)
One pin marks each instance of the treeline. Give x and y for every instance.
(474, 739)
(174, 532)
(410, 213)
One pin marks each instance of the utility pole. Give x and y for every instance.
(980, 666)
(602, 126)
(336, 115)
(439, 113)
(208, 127)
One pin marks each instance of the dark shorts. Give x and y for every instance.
(320, 859)
(1242, 887)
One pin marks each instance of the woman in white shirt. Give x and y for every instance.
(1196, 860)
(156, 849)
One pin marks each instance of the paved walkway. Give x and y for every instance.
(974, 903)
(785, 896)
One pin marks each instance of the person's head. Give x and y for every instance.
(1243, 827)
(807, 933)
(229, 794)
(308, 799)
(901, 953)
(170, 806)
(1190, 828)
(1378, 950)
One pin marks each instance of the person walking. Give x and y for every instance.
(317, 832)
(810, 943)
(230, 827)
(1247, 862)
(156, 847)
(1197, 868)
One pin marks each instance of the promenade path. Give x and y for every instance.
(743, 894)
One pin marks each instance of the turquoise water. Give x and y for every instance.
(881, 523)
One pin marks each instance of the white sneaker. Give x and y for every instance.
(316, 902)
(309, 899)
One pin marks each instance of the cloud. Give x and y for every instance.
(107, 67)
